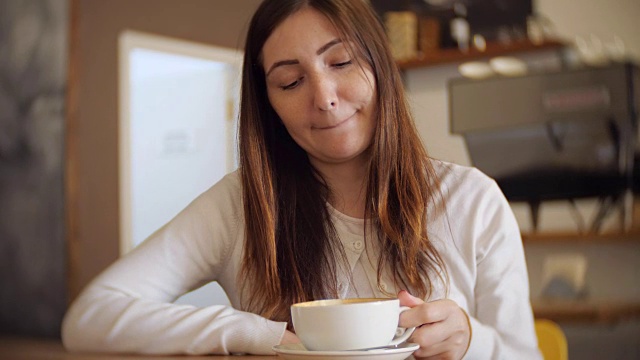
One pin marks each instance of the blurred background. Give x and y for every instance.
(115, 114)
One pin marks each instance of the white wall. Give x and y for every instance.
(602, 18)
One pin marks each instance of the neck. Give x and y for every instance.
(347, 183)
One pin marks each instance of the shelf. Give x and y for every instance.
(445, 56)
(608, 238)
(605, 312)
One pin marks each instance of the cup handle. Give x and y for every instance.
(402, 336)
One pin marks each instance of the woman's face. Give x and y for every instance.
(324, 98)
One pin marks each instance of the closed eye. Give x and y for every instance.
(291, 85)
(342, 64)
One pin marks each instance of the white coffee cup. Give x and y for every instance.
(349, 324)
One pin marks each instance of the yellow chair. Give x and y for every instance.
(551, 340)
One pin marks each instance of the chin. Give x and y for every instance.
(343, 156)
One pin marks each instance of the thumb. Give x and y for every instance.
(409, 300)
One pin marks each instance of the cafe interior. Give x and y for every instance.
(541, 95)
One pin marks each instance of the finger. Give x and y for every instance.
(443, 339)
(450, 348)
(428, 313)
(435, 351)
(411, 317)
(409, 300)
(289, 338)
(428, 335)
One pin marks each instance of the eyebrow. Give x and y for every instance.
(320, 51)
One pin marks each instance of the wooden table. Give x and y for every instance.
(41, 349)
(586, 311)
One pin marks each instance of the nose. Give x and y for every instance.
(325, 96)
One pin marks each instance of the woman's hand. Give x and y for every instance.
(289, 338)
(442, 330)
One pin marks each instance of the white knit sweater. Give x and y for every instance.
(128, 308)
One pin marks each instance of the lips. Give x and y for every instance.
(333, 125)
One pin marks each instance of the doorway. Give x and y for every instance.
(177, 133)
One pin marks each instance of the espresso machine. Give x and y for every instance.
(562, 135)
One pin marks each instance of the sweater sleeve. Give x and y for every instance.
(128, 308)
(502, 322)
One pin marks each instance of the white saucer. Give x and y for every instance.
(298, 352)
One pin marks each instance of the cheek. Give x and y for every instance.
(278, 105)
(363, 88)
(273, 100)
(287, 111)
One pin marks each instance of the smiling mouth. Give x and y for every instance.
(334, 126)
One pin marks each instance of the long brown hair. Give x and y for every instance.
(291, 248)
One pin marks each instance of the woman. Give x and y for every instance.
(335, 197)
